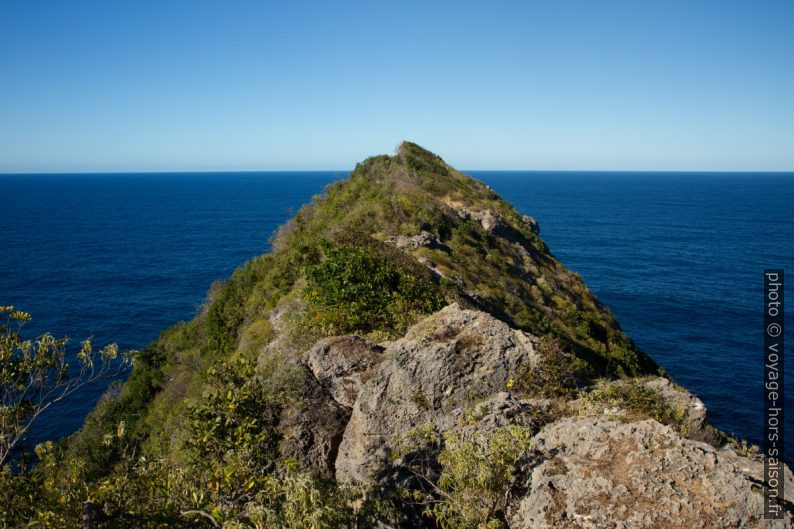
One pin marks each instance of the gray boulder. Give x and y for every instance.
(342, 364)
(489, 220)
(423, 239)
(598, 473)
(312, 427)
(450, 359)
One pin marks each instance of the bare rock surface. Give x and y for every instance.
(423, 239)
(312, 428)
(451, 371)
(598, 473)
(452, 358)
(342, 363)
(489, 220)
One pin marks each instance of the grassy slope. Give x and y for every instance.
(318, 258)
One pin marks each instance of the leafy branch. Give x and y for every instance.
(35, 375)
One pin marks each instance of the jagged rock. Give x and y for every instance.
(598, 473)
(446, 361)
(531, 223)
(312, 428)
(487, 218)
(450, 370)
(679, 397)
(423, 239)
(341, 364)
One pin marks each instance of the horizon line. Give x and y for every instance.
(305, 171)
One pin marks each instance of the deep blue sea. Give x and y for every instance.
(678, 257)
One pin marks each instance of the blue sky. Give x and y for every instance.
(236, 85)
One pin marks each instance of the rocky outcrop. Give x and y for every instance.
(312, 427)
(449, 360)
(492, 222)
(596, 473)
(489, 220)
(531, 223)
(451, 371)
(342, 364)
(423, 239)
(680, 398)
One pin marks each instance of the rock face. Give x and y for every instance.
(312, 428)
(446, 361)
(604, 474)
(341, 364)
(588, 472)
(423, 239)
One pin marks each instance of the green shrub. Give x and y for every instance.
(633, 396)
(553, 375)
(127, 403)
(357, 289)
(476, 477)
(240, 409)
(296, 500)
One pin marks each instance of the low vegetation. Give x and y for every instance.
(354, 289)
(191, 439)
(468, 481)
(642, 401)
(555, 374)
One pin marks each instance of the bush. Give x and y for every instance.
(633, 396)
(476, 478)
(296, 500)
(359, 289)
(35, 375)
(553, 375)
(240, 410)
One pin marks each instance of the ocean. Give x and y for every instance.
(677, 257)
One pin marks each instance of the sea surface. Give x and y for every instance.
(677, 257)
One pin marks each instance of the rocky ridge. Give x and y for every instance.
(593, 462)
(412, 342)
(589, 469)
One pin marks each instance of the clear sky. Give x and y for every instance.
(127, 85)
